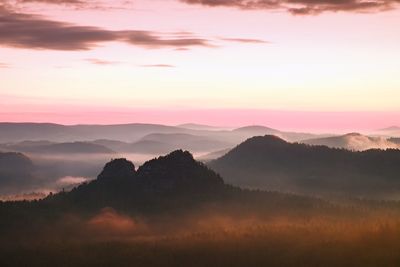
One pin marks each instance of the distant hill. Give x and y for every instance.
(394, 140)
(151, 147)
(389, 131)
(58, 148)
(16, 172)
(130, 133)
(213, 155)
(190, 142)
(16, 132)
(391, 128)
(269, 162)
(353, 141)
(114, 145)
(194, 126)
(256, 130)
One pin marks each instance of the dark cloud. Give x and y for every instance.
(158, 66)
(244, 40)
(35, 32)
(303, 7)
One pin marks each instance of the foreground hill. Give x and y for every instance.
(269, 162)
(172, 184)
(354, 141)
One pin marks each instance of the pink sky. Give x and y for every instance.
(334, 66)
(284, 120)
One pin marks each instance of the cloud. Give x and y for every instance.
(76, 4)
(303, 7)
(244, 40)
(158, 66)
(35, 32)
(4, 65)
(97, 61)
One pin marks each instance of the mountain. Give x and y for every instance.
(130, 133)
(391, 128)
(166, 182)
(114, 145)
(16, 132)
(201, 127)
(353, 141)
(256, 130)
(172, 184)
(213, 155)
(269, 162)
(190, 142)
(395, 140)
(16, 171)
(389, 131)
(43, 147)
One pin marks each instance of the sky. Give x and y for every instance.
(289, 64)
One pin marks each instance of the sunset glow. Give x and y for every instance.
(170, 61)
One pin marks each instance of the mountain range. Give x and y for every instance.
(354, 141)
(17, 132)
(167, 186)
(268, 162)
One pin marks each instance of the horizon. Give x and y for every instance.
(317, 122)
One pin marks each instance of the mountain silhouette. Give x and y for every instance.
(172, 188)
(167, 182)
(268, 162)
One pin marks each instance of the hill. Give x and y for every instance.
(389, 131)
(16, 132)
(42, 147)
(16, 172)
(167, 182)
(256, 130)
(394, 140)
(130, 133)
(189, 142)
(175, 183)
(269, 162)
(194, 126)
(353, 141)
